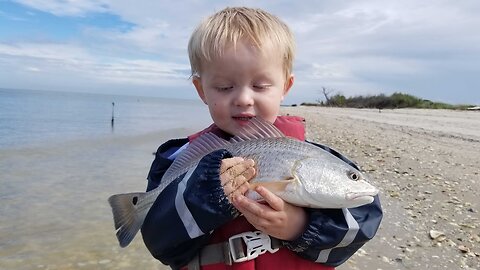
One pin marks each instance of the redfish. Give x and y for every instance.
(298, 172)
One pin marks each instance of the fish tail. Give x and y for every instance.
(127, 215)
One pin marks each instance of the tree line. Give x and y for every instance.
(382, 101)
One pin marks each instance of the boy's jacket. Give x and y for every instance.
(194, 211)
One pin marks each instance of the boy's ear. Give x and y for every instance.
(198, 85)
(288, 84)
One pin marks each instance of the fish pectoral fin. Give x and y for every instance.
(274, 185)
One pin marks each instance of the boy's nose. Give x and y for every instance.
(244, 97)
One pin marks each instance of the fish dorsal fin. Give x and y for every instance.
(196, 149)
(257, 128)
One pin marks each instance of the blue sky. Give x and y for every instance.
(428, 48)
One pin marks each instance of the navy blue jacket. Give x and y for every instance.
(184, 215)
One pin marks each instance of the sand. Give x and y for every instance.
(425, 162)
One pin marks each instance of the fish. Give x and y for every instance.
(297, 171)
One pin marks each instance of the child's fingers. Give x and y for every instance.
(239, 181)
(254, 212)
(229, 162)
(226, 165)
(249, 173)
(241, 168)
(273, 200)
(234, 184)
(239, 191)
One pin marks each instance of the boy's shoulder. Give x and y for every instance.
(163, 159)
(171, 146)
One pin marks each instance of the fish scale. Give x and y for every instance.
(274, 157)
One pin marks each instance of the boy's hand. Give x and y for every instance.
(234, 175)
(276, 218)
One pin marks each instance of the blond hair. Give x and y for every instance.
(231, 25)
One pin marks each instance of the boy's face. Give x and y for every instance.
(241, 84)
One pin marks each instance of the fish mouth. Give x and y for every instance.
(364, 195)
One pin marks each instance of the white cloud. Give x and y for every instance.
(354, 46)
(33, 69)
(67, 7)
(50, 58)
(143, 72)
(332, 72)
(51, 52)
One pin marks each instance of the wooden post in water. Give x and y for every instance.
(113, 112)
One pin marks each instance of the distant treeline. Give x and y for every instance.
(394, 101)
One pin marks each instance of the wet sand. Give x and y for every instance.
(55, 213)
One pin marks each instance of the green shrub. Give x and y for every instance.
(396, 100)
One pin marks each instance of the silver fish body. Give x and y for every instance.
(298, 172)
(306, 175)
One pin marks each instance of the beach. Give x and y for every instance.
(425, 163)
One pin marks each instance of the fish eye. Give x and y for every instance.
(353, 175)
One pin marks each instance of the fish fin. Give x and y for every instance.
(128, 218)
(257, 128)
(274, 185)
(196, 149)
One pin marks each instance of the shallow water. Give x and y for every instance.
(55, 213)
(54, 191)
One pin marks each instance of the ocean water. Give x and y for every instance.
(60, 160)
(29, 118)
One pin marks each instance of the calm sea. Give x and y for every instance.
(60, 160)
(29, 118)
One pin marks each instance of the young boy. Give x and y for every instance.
(241, 61)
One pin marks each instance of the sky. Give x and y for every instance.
(429, 48)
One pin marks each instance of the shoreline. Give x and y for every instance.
(57, 215)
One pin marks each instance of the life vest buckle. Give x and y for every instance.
(249, 245)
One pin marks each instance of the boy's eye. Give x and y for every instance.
(223, 88)
(262, 86)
